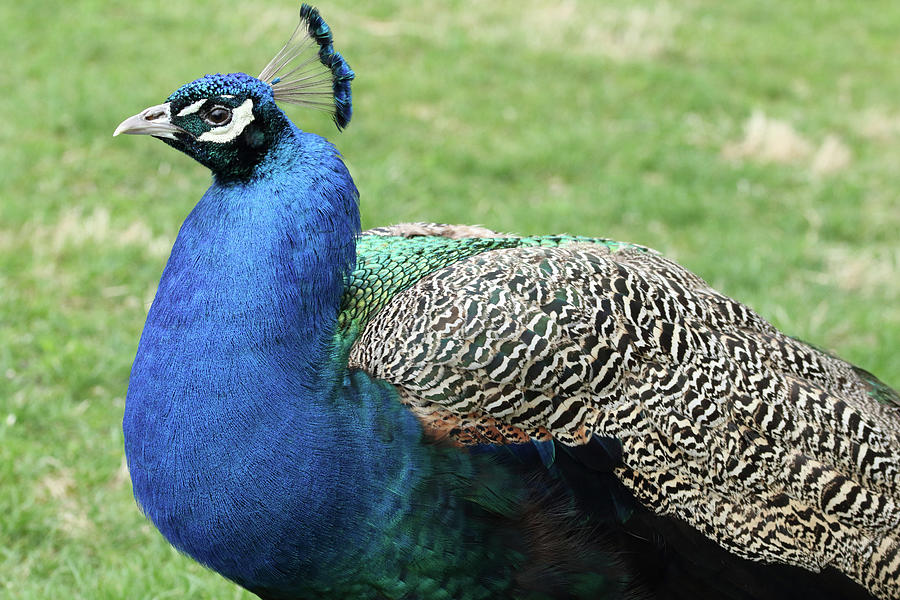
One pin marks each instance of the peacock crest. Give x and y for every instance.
(308, 71)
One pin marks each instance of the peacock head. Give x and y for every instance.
(229, 122)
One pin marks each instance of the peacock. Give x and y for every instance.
(427, 411)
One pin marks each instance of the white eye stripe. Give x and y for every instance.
(240, 118)
(191, 108)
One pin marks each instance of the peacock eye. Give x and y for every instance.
(218, 115)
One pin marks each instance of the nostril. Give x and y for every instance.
(152, 116)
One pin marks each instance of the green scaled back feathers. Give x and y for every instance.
(389, 264)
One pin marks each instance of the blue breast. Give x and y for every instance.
(229, 403)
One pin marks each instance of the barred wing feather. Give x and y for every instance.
(772, 448)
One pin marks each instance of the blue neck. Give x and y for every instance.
(232, 366)
(268, 255)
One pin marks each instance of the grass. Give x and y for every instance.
(755, 141)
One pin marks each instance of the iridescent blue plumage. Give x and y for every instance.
(225, 364)
(234, 84)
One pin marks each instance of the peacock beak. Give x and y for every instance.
(155, 121)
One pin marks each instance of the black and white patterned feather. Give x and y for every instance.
(773, 449)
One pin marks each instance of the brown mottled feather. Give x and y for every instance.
(773, 449)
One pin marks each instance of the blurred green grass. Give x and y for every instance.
(757, 142)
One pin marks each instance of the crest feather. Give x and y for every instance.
(308, 71)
